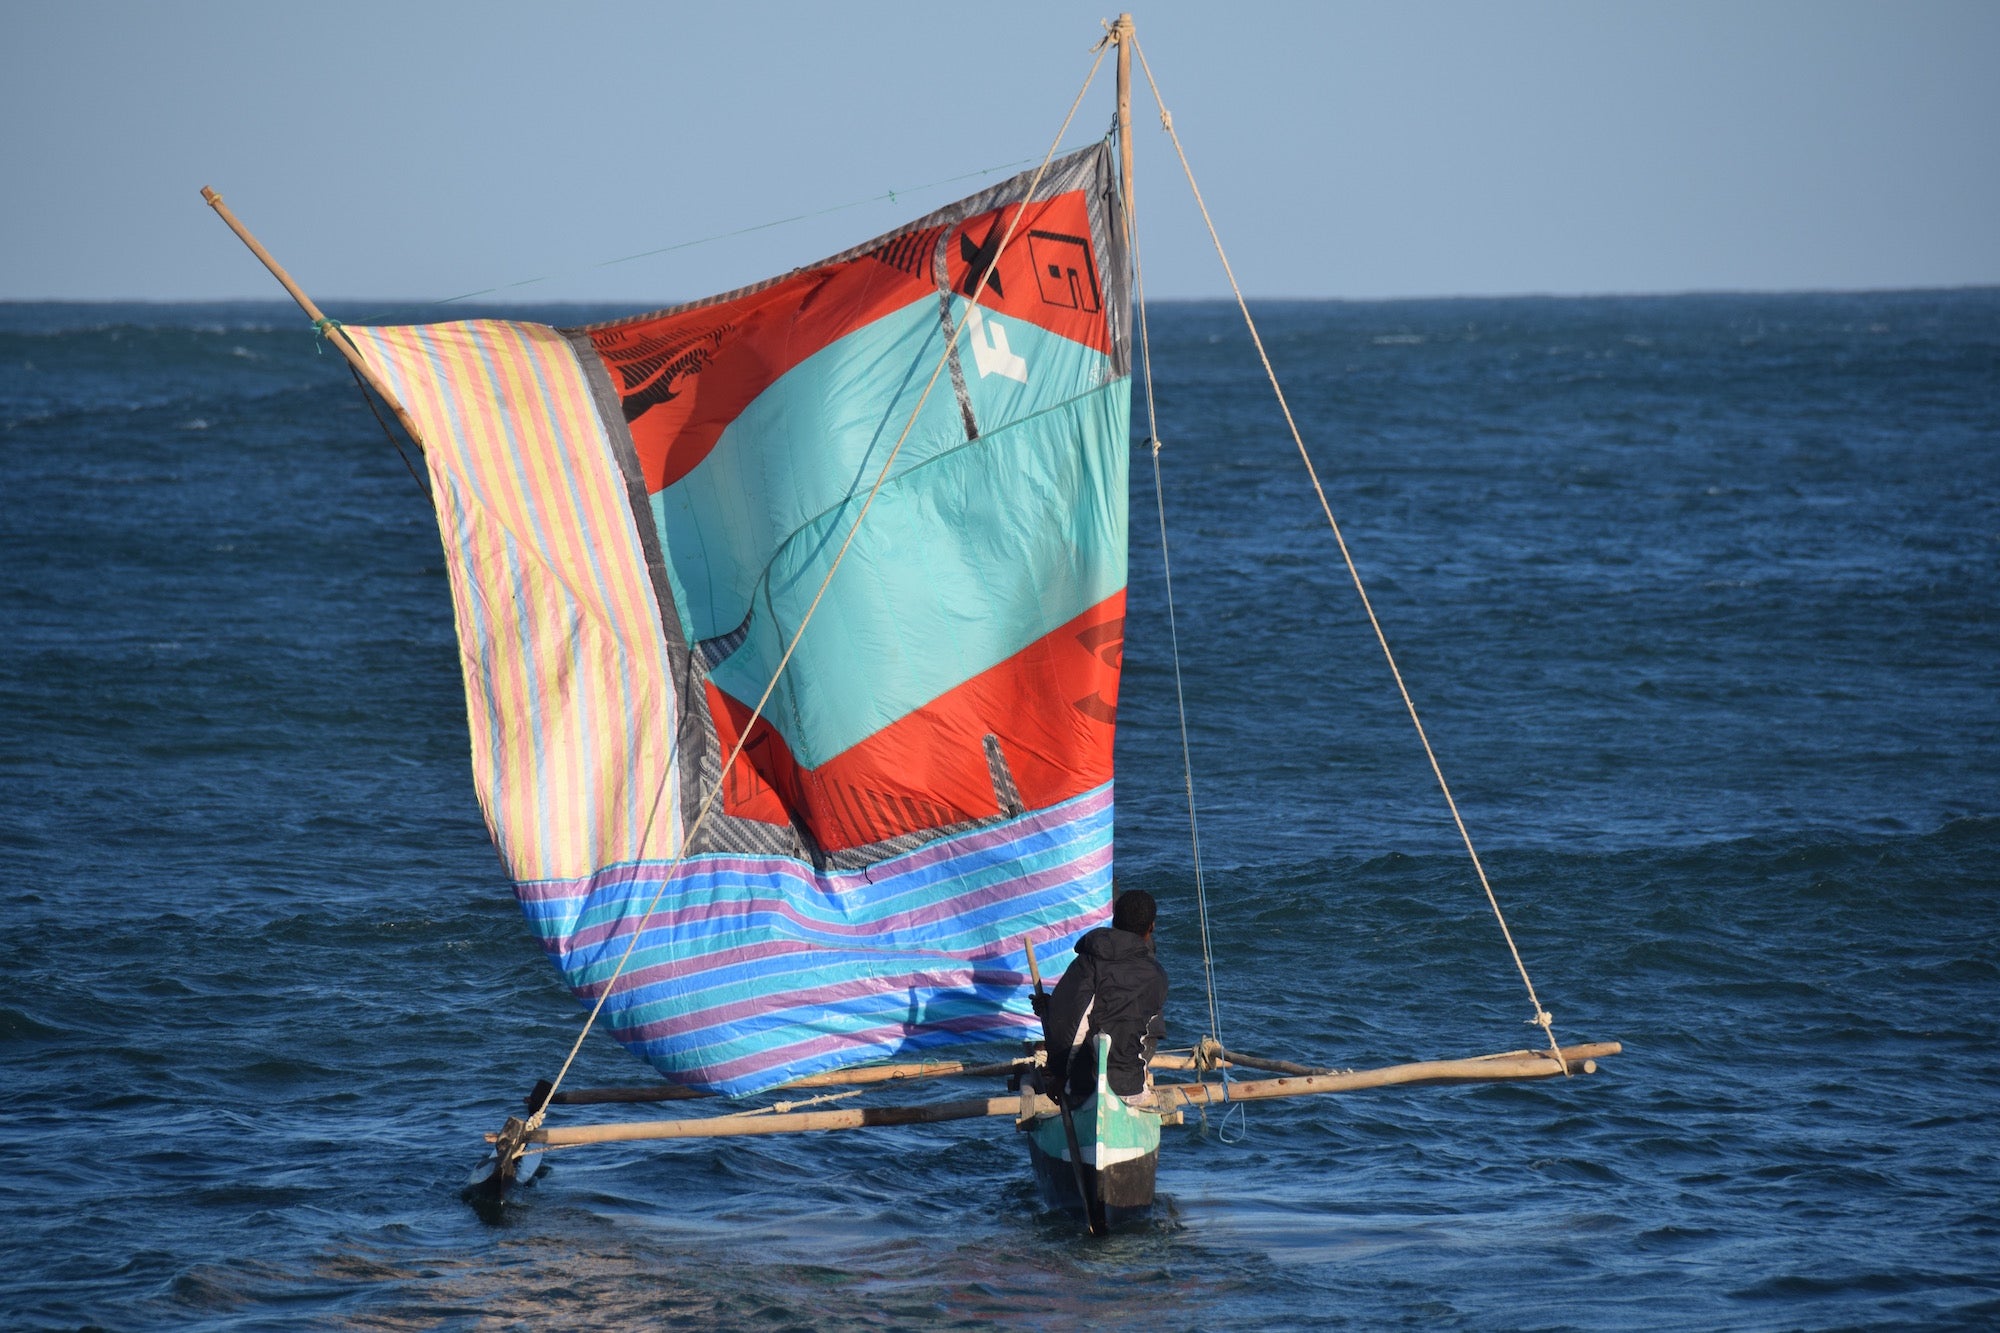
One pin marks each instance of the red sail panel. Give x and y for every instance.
(1052, 708)
(683, 376)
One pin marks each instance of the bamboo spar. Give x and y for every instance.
(1170, 1097)
(341, 344)
(900, 1073)
(839, 1078)
(1581, 1059)
(896, 1073)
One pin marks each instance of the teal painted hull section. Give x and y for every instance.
(1120, 1145)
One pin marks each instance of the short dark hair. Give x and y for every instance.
(1135, 911)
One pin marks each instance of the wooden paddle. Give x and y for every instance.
(1093, 1210)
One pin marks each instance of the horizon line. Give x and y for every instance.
(1223, 299)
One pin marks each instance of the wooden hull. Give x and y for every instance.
(1125, 1189)
(1120, 1146)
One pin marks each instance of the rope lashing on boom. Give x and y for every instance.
(743, 736)
(1541, 1018)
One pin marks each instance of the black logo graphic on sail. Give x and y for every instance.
(910, 252)
(979, 258)
(1106, 641)
(1064, 268)
(654, 368)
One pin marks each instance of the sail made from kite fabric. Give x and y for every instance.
(638, 517)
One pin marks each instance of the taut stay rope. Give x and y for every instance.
(1542, 1018)
(1173, 627)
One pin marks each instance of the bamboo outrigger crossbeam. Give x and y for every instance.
(1233, 1059)
(1170, 1098)
(909, 1071)
(1505, 1067)
(794, 1122)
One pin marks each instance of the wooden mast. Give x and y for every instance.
(1121, 33)
(340, 342)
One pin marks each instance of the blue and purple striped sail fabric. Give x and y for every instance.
(764, 969)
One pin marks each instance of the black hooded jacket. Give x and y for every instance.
(1115, 986)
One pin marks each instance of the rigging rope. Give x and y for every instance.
(1173, 629)
(1542, 1017)
(743, 737)
(889, 196)
(368, 398)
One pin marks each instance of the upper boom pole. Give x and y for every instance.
(341, 344)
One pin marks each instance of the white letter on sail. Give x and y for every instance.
(989, 348)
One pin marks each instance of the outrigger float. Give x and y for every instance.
(783, 831)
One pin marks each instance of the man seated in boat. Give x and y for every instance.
(1117, 987)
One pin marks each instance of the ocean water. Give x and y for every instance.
(1699, 597)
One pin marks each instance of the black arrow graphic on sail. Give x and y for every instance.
(980, 258)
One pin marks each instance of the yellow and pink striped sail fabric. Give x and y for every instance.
(567, 678)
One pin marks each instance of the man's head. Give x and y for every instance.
(1135, 911)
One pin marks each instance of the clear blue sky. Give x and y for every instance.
(419, 150)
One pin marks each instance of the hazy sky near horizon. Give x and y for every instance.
(412, 151)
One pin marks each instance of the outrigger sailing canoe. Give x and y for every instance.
(792, 623)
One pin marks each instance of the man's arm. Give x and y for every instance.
(1156, 1007)
(1067, 1007)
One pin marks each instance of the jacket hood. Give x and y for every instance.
(1113, 945)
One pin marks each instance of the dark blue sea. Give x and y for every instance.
(1699, 597)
